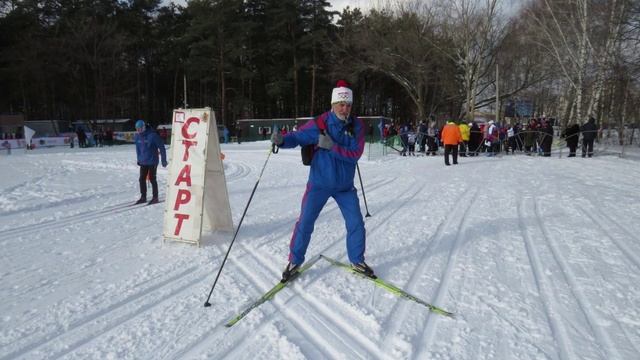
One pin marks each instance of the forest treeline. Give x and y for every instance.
(409, 60)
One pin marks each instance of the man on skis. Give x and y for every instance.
(338, 138)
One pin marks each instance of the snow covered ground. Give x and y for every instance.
(539, 258)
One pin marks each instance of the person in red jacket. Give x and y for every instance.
(451, 137)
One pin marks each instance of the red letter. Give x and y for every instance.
(183, 197)
(187, 144)
(185, 128)
(185, 175)
(180, 218)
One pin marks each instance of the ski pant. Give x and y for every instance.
(587, 147)
(313, 201)
(450, 149)
(513, 144)
(572, 148)
(150, 172)
(463, 148)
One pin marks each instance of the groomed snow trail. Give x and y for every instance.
(539, 258)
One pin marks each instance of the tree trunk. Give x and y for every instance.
(223, 100)
(313, 84)
(295, 84)
(623, 116)
(604, 59)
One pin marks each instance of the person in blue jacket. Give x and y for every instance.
(148, 144)
(338, 138)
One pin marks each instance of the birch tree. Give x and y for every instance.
(397, 42)
(473, 27)
(604, 54)
(563, 28)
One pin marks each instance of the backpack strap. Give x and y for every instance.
(321, 123)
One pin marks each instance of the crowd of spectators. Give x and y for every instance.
(534, 137)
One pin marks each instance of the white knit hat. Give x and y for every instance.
(342, 93)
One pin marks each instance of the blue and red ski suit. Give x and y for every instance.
(331, 175)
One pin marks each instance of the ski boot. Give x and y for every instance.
(363, 269)
(143, 199)
(289, 271)
(154, 200)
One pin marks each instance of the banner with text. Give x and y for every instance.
(195, 151)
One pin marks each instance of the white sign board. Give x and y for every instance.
(197, 195)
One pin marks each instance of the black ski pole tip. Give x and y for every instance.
(368, 215)
(207, 304)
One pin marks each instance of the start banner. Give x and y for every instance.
(197, 195)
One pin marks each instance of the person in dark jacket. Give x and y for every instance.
(475, 139)
(148, 144)
(404, 138)
(421, 139)
(339, 139)
(589, 132)
(432, 139)
(546, 138)
(571, 135)
(530, 136)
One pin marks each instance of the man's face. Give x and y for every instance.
(140, 129)
(342, 109)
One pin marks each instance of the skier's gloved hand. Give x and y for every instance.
(325, 142)
(277, 138)
(164, 163)
(139, 163)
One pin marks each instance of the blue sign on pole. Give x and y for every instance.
(524, 108)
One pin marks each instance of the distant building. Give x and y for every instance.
(252, 128)
(11, 124)
(113, 124)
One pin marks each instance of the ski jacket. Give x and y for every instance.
(451, 134)
(331, 169)
(476, 135)
(492, 133)
(148, 143)
(572, 133)
(465, 131)
(589, 130)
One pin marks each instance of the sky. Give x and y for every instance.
(338, 5)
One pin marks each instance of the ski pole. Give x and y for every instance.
(207, 303)
(363, 195)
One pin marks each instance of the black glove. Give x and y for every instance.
(139, 163)
(277, 138)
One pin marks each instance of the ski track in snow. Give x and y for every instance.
(366, 347)
(454, 248)
(610, 226)
(555, 278)
(600, 335)
(84, 330)
(400, 313)
(606, 322)
(547, 296)
(17, 235)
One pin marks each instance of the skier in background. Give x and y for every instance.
(148, 144)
